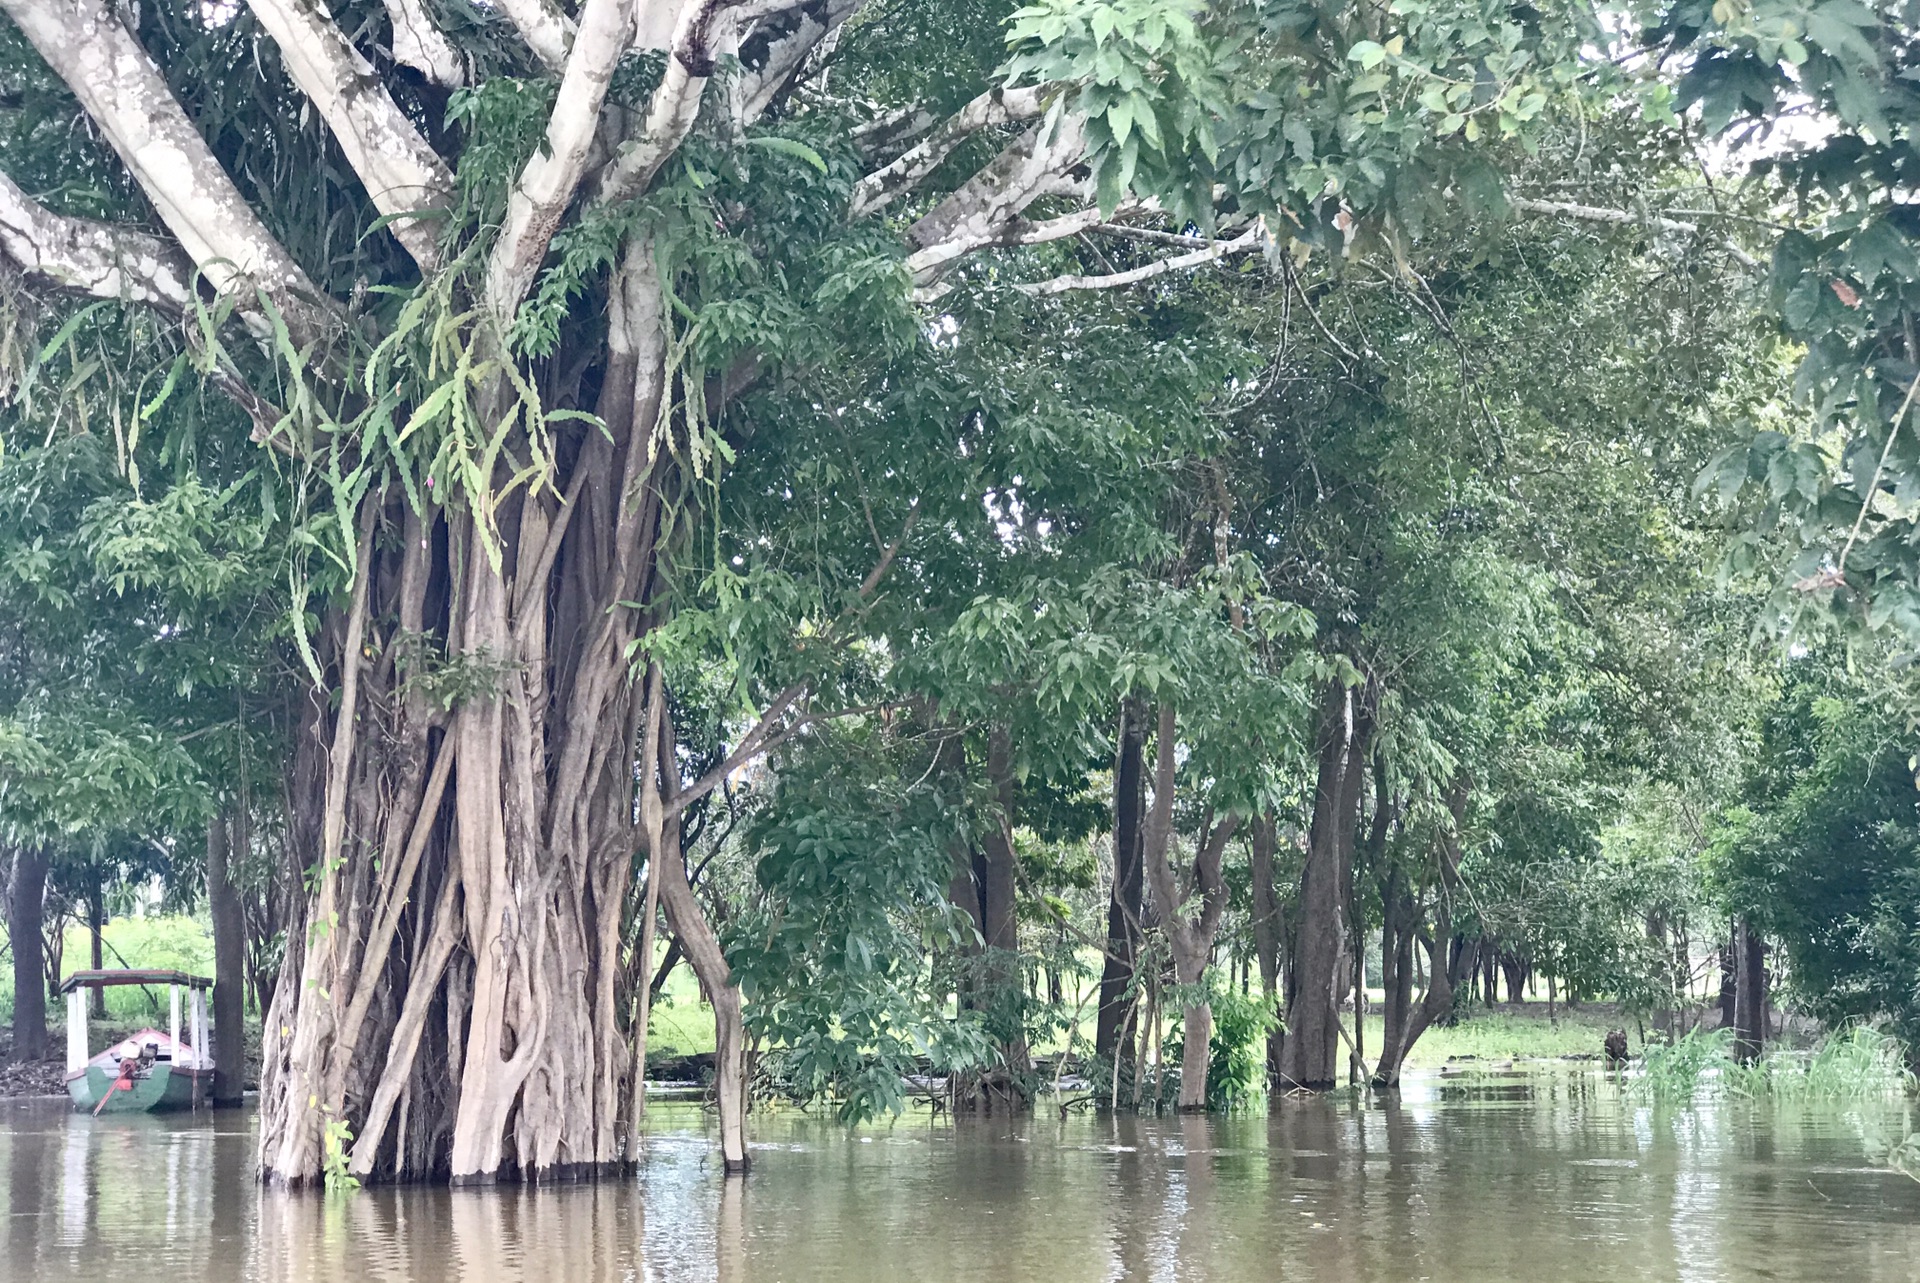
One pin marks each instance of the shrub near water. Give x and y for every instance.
(1854, 1064)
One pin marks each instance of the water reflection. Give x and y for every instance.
(1564, 1179)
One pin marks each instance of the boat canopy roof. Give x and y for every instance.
(133, 976)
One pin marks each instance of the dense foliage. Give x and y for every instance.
(1046, 549)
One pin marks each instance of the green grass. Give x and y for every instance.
(682, 1025)
(179, 943)
(1507, 1033)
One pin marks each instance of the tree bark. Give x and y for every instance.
(1750, 998)
(26, 905)
(96, 940)
(1309, 1052)
(1264, 840)
(1404, 1021)
(229, 964)
(1113, 1034)
(1190, 937)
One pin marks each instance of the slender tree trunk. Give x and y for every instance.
(1404, 1021)
(998, 886)
(1190, 937)
(1113, 1040)
(1729, 979)
(96, 940)
(1266, 928)
(26, 905)
(1396, 978)
(229, 963)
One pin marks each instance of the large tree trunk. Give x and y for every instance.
(1310, 1051)
(229, 961)
(476, 861)
(1516, 973)
(1113, 1034)
(26, 903)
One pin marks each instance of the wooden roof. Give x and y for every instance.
(132, 976)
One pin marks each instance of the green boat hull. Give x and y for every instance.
(164, 1087)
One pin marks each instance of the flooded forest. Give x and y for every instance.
(812, 639)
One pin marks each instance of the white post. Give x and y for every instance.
(173, 1019)
(199, 999)
(76, 1030)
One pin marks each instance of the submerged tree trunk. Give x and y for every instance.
(1405, 1022)
(224, 839)
(1310, 1050)
(1113, 1033)
(1750, 997)
(1190, 937)
(1263, 842)
(986, 878)
(26, 909)
(475, 856)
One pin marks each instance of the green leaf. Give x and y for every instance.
(789, 147)
(1368, 53)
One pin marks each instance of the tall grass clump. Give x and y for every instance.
(1673, 1072)
(1853, 1064)
(1860, 1063)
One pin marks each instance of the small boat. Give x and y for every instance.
(146, 1070)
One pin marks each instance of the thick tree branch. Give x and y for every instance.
(763, 736)
(547, 31)
(787, 54)
(1250, 239)
(548, 182)
(981, 211)
(89, 257)
(928, 263)
(120, 88)
(995, 107)
(691, 52)
(419, 44)
(399, 170)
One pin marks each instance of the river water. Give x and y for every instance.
(1552, 1176)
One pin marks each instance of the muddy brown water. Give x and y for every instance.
(1546, 1176)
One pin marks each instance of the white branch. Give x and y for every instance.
(1250, 239)
(419, 44)
(399, 170)
(111, 262)
(1627, 218)
(89, 257)
(551, 176)
(983, 209)
(995, 107)
(675, 104)
(546, 30)
(928, 263)
(119, 87)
